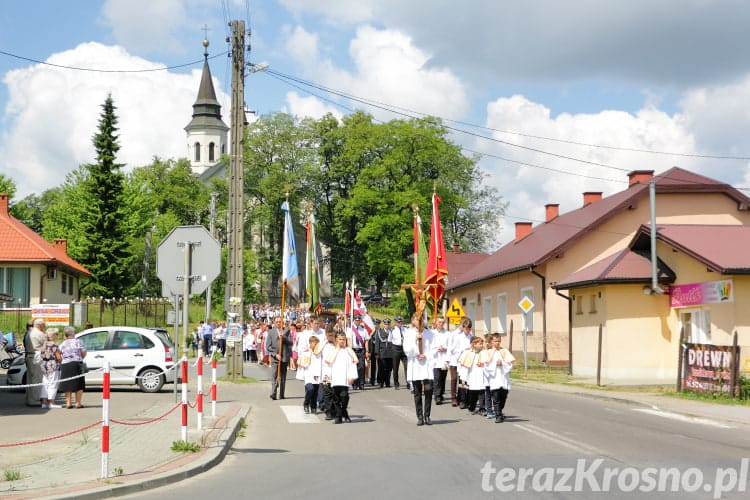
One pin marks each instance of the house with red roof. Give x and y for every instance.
(33, 270)
(592, 266)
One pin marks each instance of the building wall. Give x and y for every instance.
(639, 345)
(641, 333)
(612, 236)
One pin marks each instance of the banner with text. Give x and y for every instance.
(709, 368)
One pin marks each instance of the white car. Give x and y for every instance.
(136, 355)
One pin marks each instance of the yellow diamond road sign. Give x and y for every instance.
(526, 304)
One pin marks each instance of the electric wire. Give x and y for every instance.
(97, 70)
(408, 111)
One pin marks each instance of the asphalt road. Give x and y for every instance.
(552, 445)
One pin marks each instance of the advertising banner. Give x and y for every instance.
(709, 368)
(695, 294)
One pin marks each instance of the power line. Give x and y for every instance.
(455, 129)
(281, 77)
(96, 70)
(392, 108)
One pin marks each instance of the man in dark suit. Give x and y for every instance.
(279, 360)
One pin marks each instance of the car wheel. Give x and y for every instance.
(151, 380)
(5, 364)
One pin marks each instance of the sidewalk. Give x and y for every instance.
(720, 414)
(61, 455)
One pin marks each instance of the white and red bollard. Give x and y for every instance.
(213, 386)
(184, 398)
(199, 395)
(105, 421)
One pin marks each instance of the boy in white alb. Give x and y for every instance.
(497, 371)
(343, 372)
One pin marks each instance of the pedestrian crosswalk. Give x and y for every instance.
(296, 415)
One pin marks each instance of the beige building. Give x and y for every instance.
(32, 270)
(542, 257)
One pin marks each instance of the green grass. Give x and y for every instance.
(183, 446)
(12, 474)
(238, 380)
(723, 399)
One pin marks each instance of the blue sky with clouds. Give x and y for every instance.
(659, 75)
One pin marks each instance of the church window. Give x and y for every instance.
(211, 152)
(197, 148)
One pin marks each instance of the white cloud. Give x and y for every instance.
(301, 45)
(529, 188)
(390, 69)
(336, 12)
(53, 114)
(309, 106)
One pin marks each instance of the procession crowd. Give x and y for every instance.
(332, 357)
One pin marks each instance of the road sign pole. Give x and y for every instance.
(176, 308)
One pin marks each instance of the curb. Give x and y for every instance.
(225, 430)
(633, 401)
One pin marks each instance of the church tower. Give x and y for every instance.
(206, 132)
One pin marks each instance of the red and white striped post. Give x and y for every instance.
(213, 386)
(184, 398)
(199, 396)
(105, 421)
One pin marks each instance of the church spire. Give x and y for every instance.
(206, 132)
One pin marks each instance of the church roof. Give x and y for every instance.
(206, 109)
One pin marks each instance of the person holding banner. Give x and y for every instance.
(418, 347)
(280, 352)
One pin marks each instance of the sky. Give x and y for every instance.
(559, 98)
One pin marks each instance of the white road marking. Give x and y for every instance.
(297, 415)
(561, 440)
(683, 418)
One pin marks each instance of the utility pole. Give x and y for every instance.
(212, 230)
(235, 272)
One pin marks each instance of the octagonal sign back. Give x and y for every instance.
(205, 259)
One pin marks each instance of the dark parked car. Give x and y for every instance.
(377, 299)
(332, 302)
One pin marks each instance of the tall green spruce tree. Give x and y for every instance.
(106, 252)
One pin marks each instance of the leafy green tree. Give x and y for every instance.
(279, 158)
(7, 186)
(106, 253)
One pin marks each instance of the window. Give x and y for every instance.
(471, 311)
(94, 341)
(579, 303)
(592, 303)
(63, 283)
(126, 340)
(15, 281)
(211, 151)
(487, 313)
(528, 318)
(223, 148)
(502, 313)
(197, 148)
(70, 284)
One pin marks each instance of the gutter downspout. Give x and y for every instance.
(655, 290)
(544, 313)
(570, 331)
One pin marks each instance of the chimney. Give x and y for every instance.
(640, 176)
(552, 210)
(62, 244)
(3, 205)
(456, 248)
(523, 229)
(590, 197)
